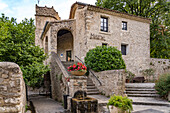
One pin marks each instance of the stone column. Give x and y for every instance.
(77, 83)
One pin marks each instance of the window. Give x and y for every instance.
(124, 25)
(104, 44)
(46, 44)
(104, 24)
(124, 49)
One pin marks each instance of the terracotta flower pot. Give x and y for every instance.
(78, 73)
(114, 109)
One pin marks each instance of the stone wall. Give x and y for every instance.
(77, 83)
(12, 89)
(160, 66)
(113, 81)
(58, 86)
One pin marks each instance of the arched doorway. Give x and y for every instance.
(65, 45)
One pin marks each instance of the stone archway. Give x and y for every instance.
(65, 45)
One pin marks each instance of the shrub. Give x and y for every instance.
(104, 58)
(163, 85)
(124, 103)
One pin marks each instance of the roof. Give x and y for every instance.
(107, 11)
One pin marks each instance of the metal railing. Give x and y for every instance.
(90, 71)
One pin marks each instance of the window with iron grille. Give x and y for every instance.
(124, 25)
(104, 24)
(124, 49)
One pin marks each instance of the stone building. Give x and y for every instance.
(89, 26)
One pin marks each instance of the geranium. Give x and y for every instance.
(77, 67)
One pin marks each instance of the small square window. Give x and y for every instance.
(124, 25)
(104, 44)
(124, 49)
(104, 24)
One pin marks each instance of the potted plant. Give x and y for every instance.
(129, 77)
(119, 104)
(77, 69)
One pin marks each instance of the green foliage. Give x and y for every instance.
(163, 85)
(17, 45)
(104, 58)
(158, 11)
(124, 103)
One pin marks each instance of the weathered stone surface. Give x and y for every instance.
(12, 88)
(113, 82)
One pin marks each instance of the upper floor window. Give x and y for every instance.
(104, 24)
(124, 25)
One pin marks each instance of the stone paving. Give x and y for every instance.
(46, 105)
(137, 108)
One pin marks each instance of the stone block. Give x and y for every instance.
(1, 101)
(1, 80)
(4, 76)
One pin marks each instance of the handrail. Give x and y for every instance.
(90, 71)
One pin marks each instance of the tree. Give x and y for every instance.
(158, 11)
(17, 45)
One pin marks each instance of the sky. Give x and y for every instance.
(21, 9)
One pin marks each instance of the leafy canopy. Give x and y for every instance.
(17, 45)
(104, 58)
(158, 11)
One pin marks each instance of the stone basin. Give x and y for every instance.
(86, 105)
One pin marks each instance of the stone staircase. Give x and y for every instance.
(91, 88)
(144, 94)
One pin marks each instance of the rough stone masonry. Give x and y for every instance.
(12, 88)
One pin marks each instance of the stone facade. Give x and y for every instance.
(12, 89)
(113, 82)
(84, 26)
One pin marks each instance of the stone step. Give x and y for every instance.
(149, 101)
(140, 87)
(92, 90)
(143, 95)
(93, 93)
(91, 87)
(135, 89)
(90, 84)
(140, 92)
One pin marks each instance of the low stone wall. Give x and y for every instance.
(113, 81)
(12, 88)
(160, 66)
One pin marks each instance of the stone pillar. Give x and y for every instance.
(77, 83)
(12, 89)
